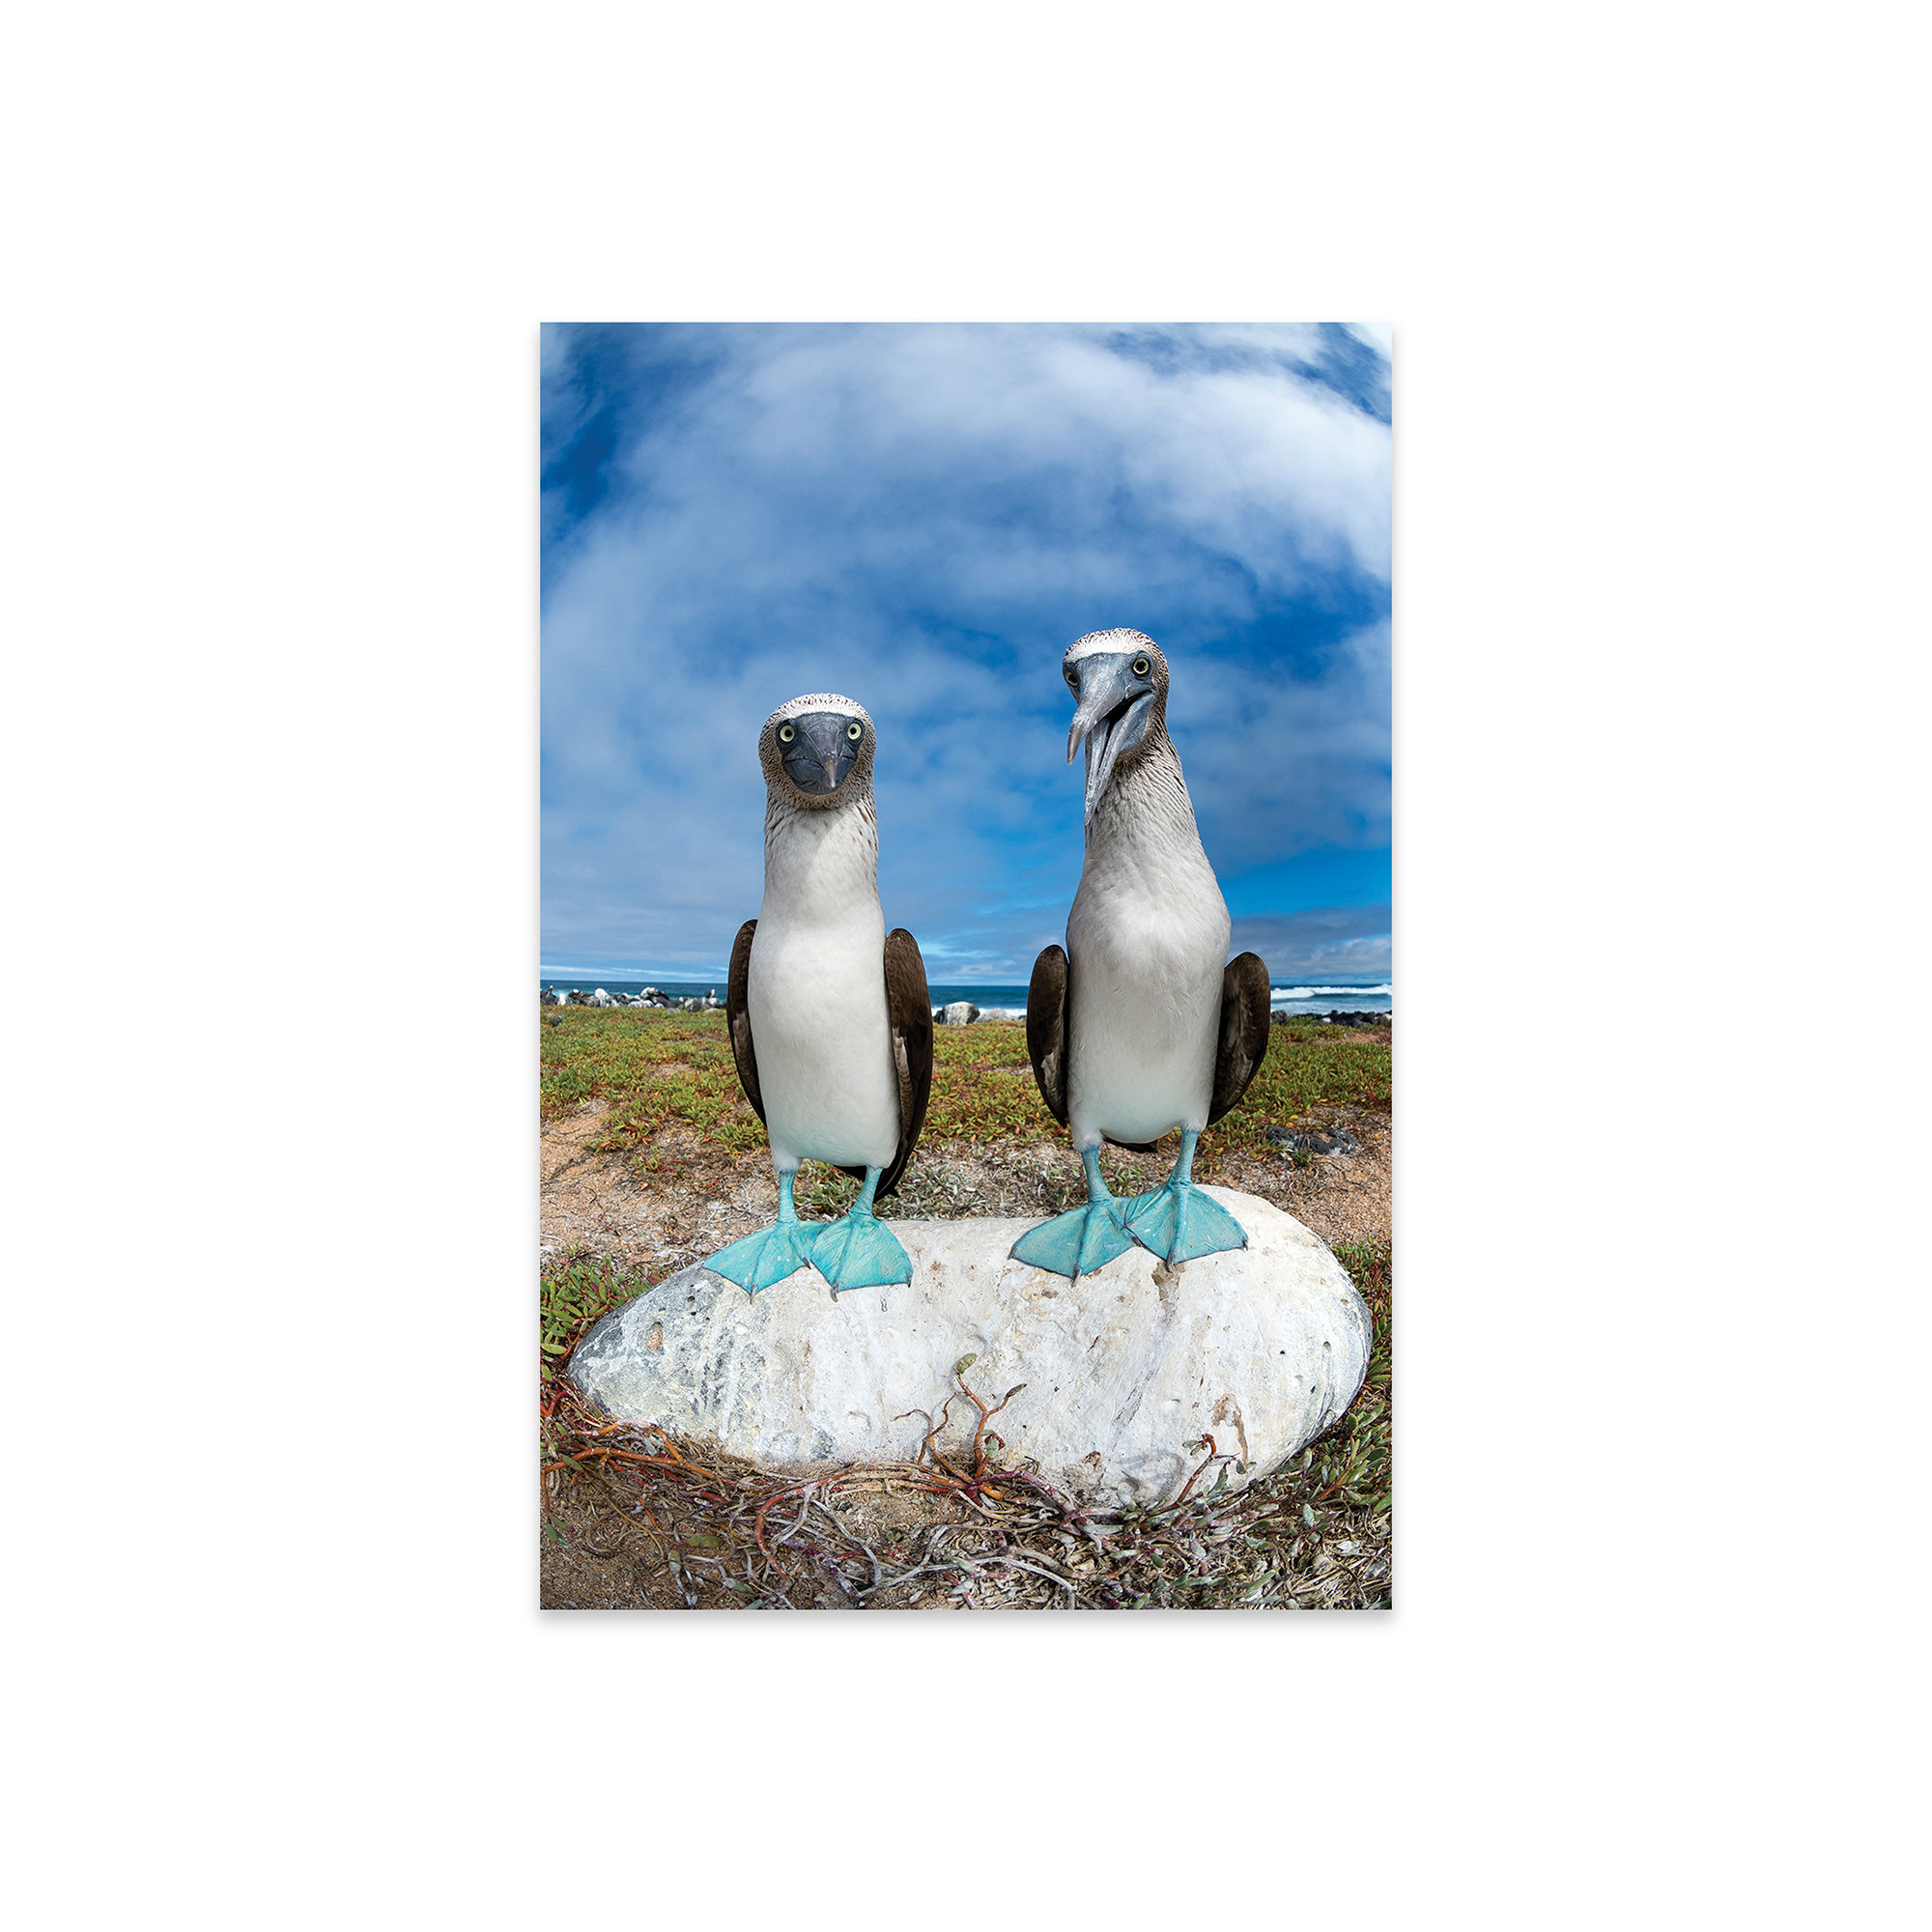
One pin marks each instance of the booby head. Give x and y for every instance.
(816, 752)
(1119, 680)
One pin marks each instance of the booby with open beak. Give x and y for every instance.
(1143, 1024)
(830, 1017)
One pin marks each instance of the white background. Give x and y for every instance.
(1655, 279)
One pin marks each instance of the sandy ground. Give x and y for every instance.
(597, 1555)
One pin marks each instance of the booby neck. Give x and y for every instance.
(1145, 814)
(820, 866)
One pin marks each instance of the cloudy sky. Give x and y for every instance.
(924, 517)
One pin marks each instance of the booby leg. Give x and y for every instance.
(859, 1250)
(1083, 1238)
(761, 1259)
(1178, 1222)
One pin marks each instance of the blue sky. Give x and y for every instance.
(924, 517)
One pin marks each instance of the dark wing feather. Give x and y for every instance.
(909, 1004)
(1046, 1030)
(739, 1019)
(1244, 1031)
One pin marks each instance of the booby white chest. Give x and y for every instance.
(815, 994)
(1147, 942)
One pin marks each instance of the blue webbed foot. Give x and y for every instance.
(759, 1259)
(859, 1250)
(1180, 1223)
(1083, 1238)
(1078, 1242)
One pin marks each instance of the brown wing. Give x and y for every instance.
(739, 1019)
(909, 1005)
(1244, 1031)
(1046, 1030)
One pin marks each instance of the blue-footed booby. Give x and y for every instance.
(830, 1024)
(1143, 1024)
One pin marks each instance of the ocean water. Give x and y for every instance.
(1336, 993)
(1339, 993)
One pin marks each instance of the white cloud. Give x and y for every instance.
(827, 506)
(1329, 939)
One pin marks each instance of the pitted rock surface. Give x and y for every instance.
(1262, 1348)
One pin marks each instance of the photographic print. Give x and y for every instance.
(966, 990)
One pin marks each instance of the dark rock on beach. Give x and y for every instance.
(1281, 1016)
(651, 996)
(1313, 1141)
(962, 1012)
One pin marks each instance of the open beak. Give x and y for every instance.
(1110, 715)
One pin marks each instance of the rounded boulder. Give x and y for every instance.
(1124, 1371)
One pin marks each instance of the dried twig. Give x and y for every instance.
(1013, 1535)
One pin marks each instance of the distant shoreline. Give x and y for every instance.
(693, 996)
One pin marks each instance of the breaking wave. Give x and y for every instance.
(1382, 992)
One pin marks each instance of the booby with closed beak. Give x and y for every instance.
(830, 1023)
(1143, 1024)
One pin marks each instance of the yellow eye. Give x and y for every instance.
(1142, 666)
(855, 731)
(786, 734)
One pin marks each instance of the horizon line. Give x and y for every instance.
(722, 973)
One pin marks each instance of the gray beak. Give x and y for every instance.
(1111, 715)
(821, 756)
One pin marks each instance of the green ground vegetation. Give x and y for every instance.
(661, 1070)
(1358, 1458)
(657, 1070)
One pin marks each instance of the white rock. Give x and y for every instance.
(1261, 1349)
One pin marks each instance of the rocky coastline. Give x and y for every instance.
(958, 1012)
(651, 996)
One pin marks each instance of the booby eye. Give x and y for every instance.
(855, 731)
(1140, 667)
(786, 734)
